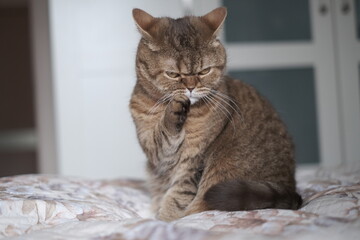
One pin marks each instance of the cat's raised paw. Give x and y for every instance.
(180, 105)
(176, 113)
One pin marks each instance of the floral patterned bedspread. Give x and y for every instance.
(51, 207)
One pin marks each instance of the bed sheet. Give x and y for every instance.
(53, 207)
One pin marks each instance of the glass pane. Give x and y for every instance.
(292, 93)
(357, 10)
(264, 20)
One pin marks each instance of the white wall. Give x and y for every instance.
(93, 46)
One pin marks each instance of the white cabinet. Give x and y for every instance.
(275, 37)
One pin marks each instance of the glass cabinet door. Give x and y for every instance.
(292, 93)
(290, 89)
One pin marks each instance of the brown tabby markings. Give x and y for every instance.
(211, 142)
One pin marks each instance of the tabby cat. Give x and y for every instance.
(212, 142)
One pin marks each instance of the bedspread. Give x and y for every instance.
(52, 207)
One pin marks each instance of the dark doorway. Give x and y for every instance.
(17, 113)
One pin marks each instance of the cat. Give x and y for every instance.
(212, 142)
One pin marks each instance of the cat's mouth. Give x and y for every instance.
(193, 100)
(194, 96)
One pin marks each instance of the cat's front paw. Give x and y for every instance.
(161, 215)
(168, 215)
(176, 113)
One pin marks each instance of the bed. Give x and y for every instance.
(54, 207)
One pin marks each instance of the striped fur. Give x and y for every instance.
(205, 134)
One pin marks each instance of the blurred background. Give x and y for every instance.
(67, 73)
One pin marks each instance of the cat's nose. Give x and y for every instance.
(190, 89)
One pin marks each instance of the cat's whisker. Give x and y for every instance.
(223, 95)
(176, 93)
(231, 118)
(207, 103)
(227, 97)
(163, 99)
(223, 98)
(166, 98)
(210, 105)
(228, 104)
(220, 105)
(157, 104)
(219, 112)
(223, 109)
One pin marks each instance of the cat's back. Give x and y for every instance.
(252, 105)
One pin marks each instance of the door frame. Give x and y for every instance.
(347, 52)
(44, 87)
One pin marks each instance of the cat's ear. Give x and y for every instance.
(215, 19)
(144, 22)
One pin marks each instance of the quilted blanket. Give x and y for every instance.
(53, 207)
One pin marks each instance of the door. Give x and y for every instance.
(285, 49)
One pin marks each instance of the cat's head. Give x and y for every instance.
(180, 56)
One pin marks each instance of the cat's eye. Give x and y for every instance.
(204, 71)
(172, 74)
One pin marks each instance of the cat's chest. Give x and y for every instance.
(196, 137)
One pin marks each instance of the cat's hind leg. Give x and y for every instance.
(238, 195)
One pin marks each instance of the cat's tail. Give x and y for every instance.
(238, 195)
